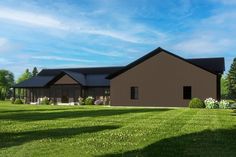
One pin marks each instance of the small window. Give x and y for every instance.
(134, 93)
(187, 92)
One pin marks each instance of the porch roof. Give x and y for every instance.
(37, 81)
(89, 77)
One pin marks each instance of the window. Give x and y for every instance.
(187, 92)
(134, 93)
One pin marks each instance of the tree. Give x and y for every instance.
(6, 82)
(34, 72)
(232, 80)
(26, 75)
(224, 87)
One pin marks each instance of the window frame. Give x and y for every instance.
(134, 93)
(187, 92)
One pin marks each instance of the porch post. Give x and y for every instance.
(74, 92)
(14, 93)
(26, 96)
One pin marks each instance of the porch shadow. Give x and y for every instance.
(35, 110)
(210, 143)
(9, 139)
(34, 116)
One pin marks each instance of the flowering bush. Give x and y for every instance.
(89, 100)
(211, 103)
(45, 101)
(81, 101)
(98, 102)
(223, 104)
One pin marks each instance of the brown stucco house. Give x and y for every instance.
(159, 78)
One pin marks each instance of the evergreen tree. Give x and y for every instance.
(34, 72)
(232, 80)
(224, 87)
(26, 75)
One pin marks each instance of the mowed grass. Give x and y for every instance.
(36, 131)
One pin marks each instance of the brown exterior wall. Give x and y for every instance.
(65, 80)
(160, 80)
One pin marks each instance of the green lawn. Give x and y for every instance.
(27, 130)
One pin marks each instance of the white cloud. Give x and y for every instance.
(211, 36)
(110, 54)
(31, 18)
(129, 31)
(203, 46)
(53, 58)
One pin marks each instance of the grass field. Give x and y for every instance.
(33, 131)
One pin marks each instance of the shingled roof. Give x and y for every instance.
(84, 76)
(212, 65)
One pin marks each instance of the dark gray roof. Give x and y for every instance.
(97, 80)
(94, 70)
(85, 76)
(216, 65)
(37, 81)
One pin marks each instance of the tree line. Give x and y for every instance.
(7, 80)
(228, 83)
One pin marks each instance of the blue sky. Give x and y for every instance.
(78, 33)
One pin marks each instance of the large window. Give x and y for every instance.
(134, 93)
(187, 92)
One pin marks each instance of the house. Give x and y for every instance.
(65, 86)
(159, 78)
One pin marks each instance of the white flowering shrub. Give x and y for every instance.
(98, 102)
(81, 101)
(44, 101)
(223, 104)
(211, 103)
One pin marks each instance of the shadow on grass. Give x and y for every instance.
(234, 112)
(8, 139)
(34, 116)
(210, 143)
(35, 110)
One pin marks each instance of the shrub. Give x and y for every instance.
(224, 104)
(18, 101)
(45, 101)
(233, 106)
(81, 101)
(98, 102)
(196, 103)
(12, 100)
(211, 103)
(89, 100)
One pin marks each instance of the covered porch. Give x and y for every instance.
(58, 94)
